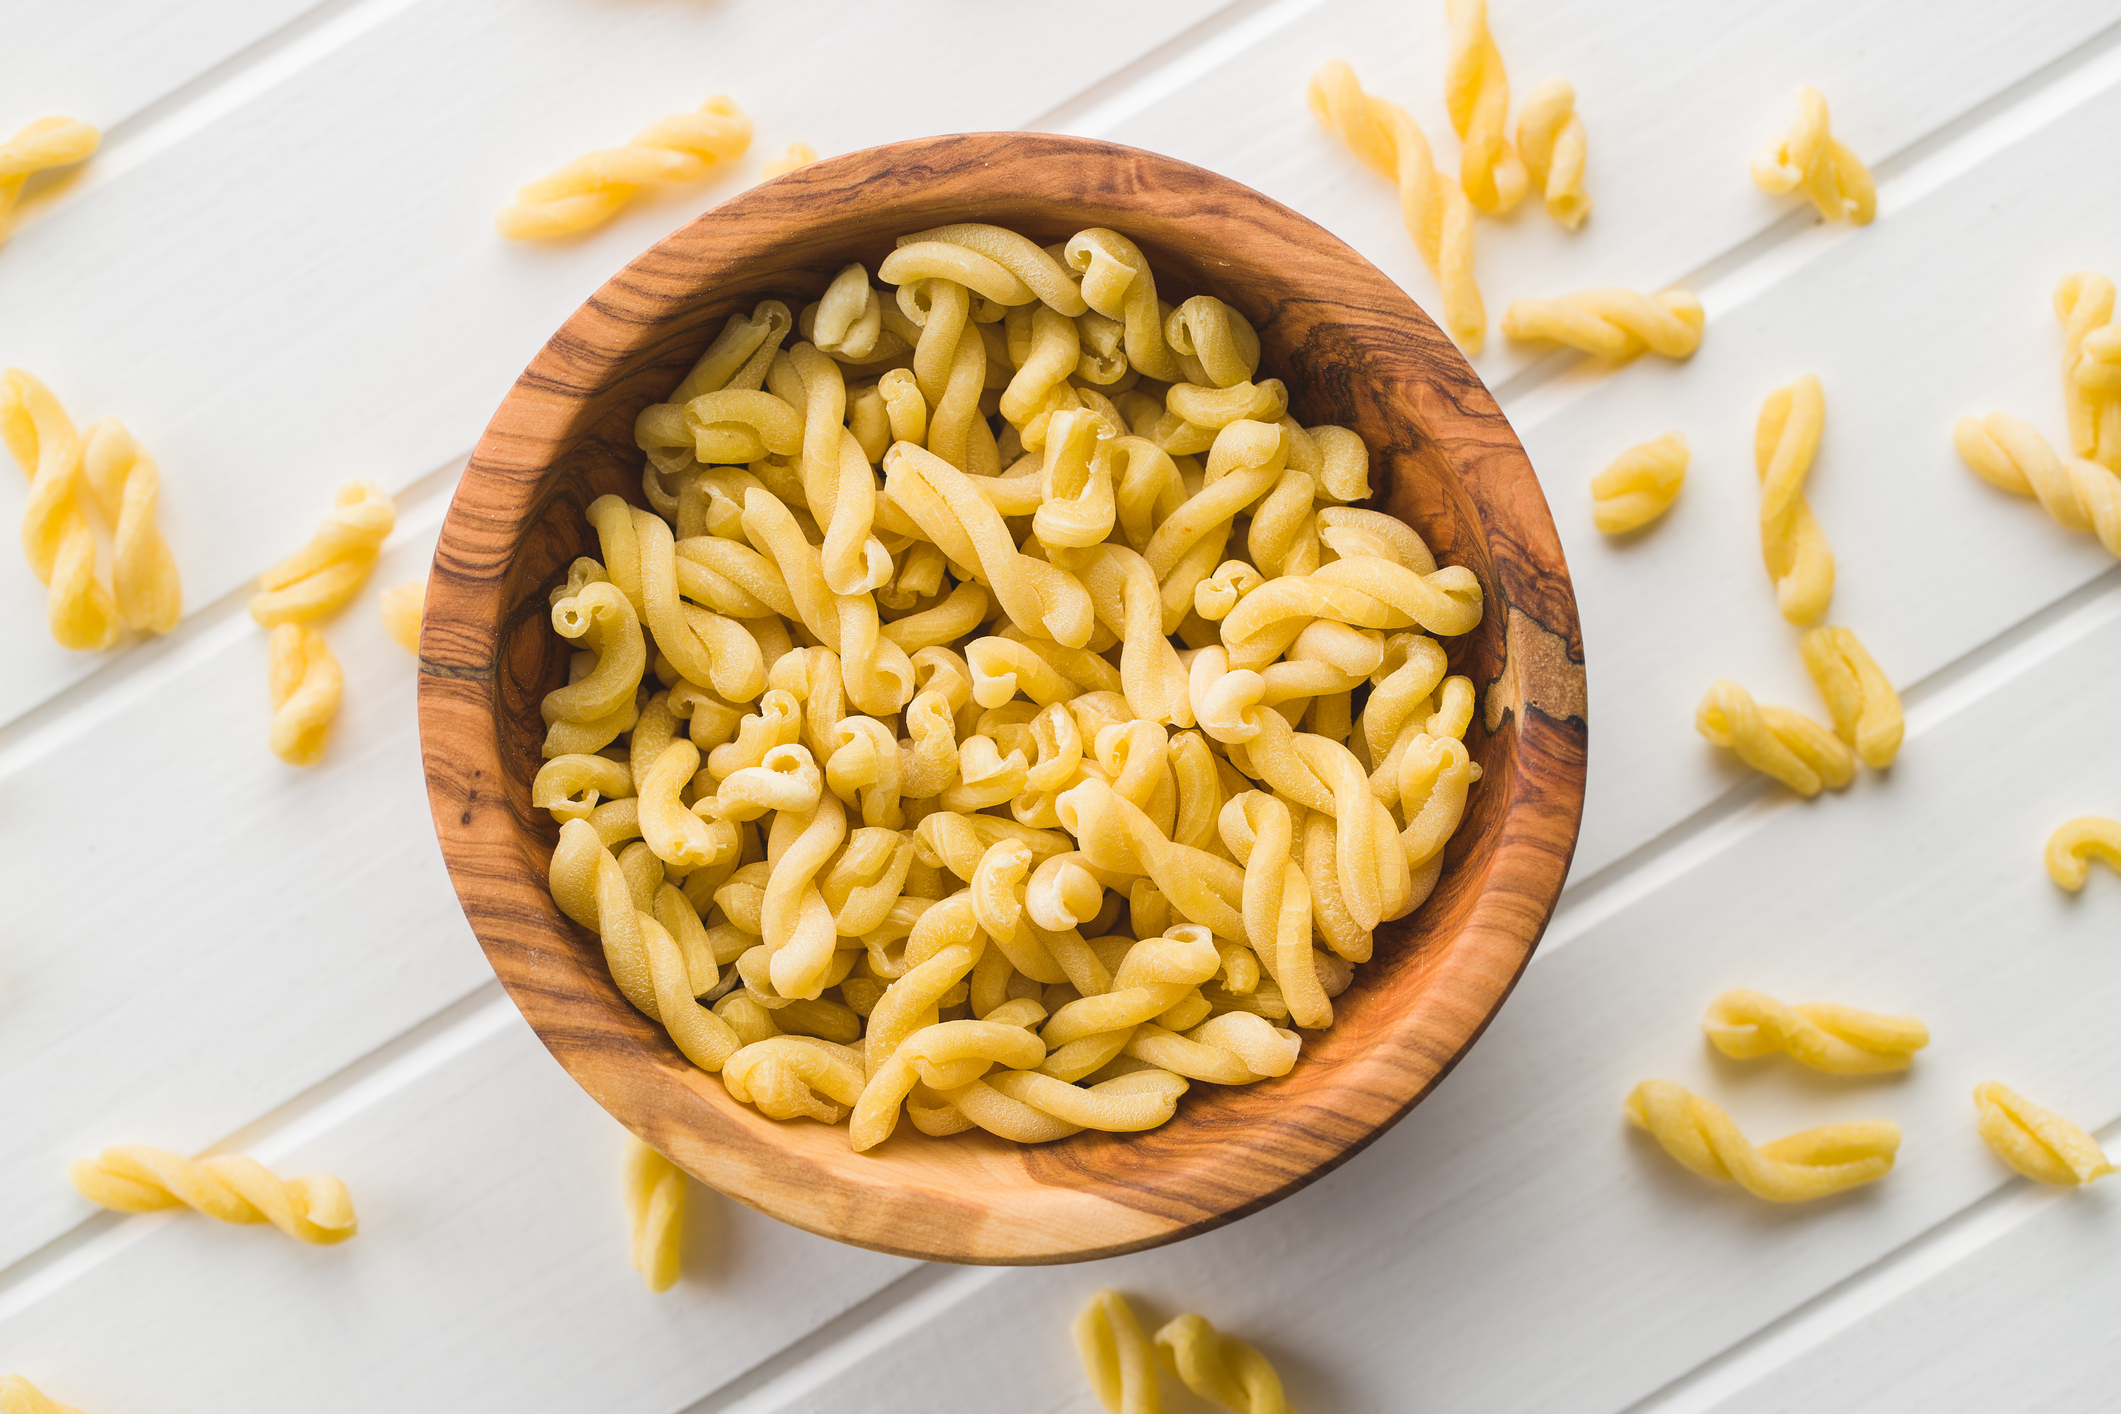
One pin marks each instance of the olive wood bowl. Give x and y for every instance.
(1353, 350)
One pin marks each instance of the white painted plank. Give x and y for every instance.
(490, 1271)
(201, 932)
(323, 295)
(1513, 1245)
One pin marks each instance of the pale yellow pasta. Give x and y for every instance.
(589, 191)
(56, 538)
(1437, 213)
(305, 683)
(404, 609)
(1791, 542)
(1859, 696)
(127, 487)
(1550, 139)
(1796, 1169)
(2010, 454)
(1477, 92)
(914, 794)
(2091, 366)
(133, 1178)
(1219, 1368)
(317, 580)
(655, 1205)
(799, 154)
(1117, 1356)
(1611, 323)
(1810, 158)
(2072, 847)
(19, 1396)
(1838, 1039)
(39, 146)
(2037, 1142)
(1640, 485)
(1775, 741)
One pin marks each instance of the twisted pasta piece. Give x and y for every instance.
(1775, 741)
(1211, 337)
(1841, 1040)
(1477, 92)
(36, 147)
(404, 609)
(133, 1178)
(1811, 157)
(1118, 283)
(1119, 836)
(1436, 212)
(1117, 1355)
(2071, 848)
(1794, 1169)
(589, 191)
(1260, 832)
(946, 1055)
(19, 1396)
(2037, 1142)
(599, 613)
(60, 547)
(1611, 323)
(655, 1204)
(1859, 697)
(1550, 138)
(1220, 1368)
(1036, 266)
(568, 786)
(799, 930)
(1640, 485)
(2091, 366)
(1030, 1107)
(127, 486)
(1791, 542)
(2010, 454)
(305, 683)
(1236, 1048)
(319, 578)
(790, 1076)
(799, 154)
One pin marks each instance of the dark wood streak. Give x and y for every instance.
(1354, 350)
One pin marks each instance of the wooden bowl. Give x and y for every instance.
(1354, 350)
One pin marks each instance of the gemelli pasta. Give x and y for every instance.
(655, 1203)
(589, 191)
(2037, 1142)
(1000, 718)
(1640, 485)
(1794, 1169)
(36, 147)
(2071, 849)
(1811, 158)
(1838, 1039)
(133, 1178)
(1121, 1361)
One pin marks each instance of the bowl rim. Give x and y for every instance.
(625, 1061)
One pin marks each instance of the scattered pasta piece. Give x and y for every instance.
(1117, 1355)
(589, 191)
(134, 1178)
(2091, 369)
(19, 1396)
(799, 154)
(1795, 1169)
(1477, 92)
(1791, 542)
(1775, 741)
(1615, 324)
(2071, 849)
(317, 580)
(1859, 696)
(306, 683)
(1437, 213)
(1811, 157)
(2037, 1142)
(1220, 1368)
(127, 487)
(2011, 455)
(655, 1201)
(55, 533)
(1551, 140)
(1838, 1039)
(404, 609)
(37, 147)
(1640, 485)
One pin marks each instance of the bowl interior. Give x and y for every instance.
(1354, 351)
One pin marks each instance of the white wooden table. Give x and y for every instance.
(281, 273)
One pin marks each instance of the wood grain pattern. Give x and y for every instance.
(1354, 350)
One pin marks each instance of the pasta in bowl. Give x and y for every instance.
(931, 771)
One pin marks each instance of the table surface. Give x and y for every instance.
(281, 273)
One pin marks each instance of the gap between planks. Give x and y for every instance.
(1739, 274)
